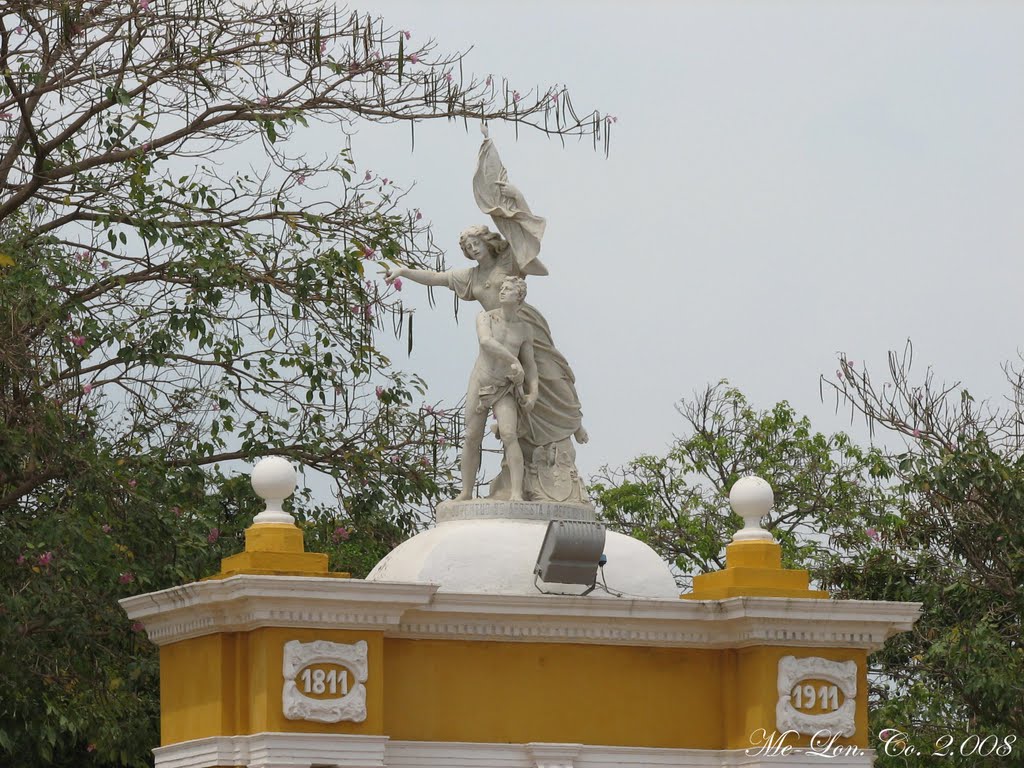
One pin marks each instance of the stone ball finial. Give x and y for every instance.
(274, 479)
(751, 498)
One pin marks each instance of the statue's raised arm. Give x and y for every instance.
(507, 207)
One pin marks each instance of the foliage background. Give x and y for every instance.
(171, 308)
(938, 521)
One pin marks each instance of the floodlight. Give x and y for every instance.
(571, 552)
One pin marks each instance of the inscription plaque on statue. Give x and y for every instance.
(323, 681)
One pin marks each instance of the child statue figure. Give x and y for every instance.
(504, 380)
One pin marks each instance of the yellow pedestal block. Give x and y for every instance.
(753, 569)
(276, 549)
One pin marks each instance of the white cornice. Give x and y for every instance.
(246, 602)
(294, 750)
(733, 623)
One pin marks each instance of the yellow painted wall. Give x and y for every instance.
(751, 675)
(231, 684)
(196, 697)
(450, 690)
(475, 691)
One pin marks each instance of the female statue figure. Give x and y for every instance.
(546, 430)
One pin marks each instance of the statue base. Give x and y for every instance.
(493, 509)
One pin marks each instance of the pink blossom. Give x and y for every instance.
(86, 389)
(407, 33)
(144, 4)
(424, 461)
(264, 101)
(418, 214)
(428, 408)
(380, 392)
(213, 535)
(413, 58)
(126, 577)
(397, 283)
(20, 29)
(300, 178)
(340, 534)
(147, 146)
(368, 252)
(917, 432)
(611, 119)
(138, 626)
(515, 96)
(368, 312)
(448, 76)
(323, 47)
(46, 558)
(132, 483)
(105, 264)
(554, 98)
(871, 534)
(176, 510)
(441, 442)
(368, 176)
(78, 341)
(884, 734)
(20, 560)
(383, 181)
(106, 528)
(489, 80)
(83, 256)
(6, 115)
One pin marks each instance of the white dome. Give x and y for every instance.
(496, 555)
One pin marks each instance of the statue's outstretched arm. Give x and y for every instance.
(421, 276)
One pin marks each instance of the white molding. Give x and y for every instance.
(842, 673)
(546, 755)
(246, 602)
(281, 750)
(350, 706)
(736, 622)
(275, 750)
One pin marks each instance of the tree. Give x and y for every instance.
(958, 548)
(170, 305)
(939, 521)
(829, 493)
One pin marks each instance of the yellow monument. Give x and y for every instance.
(455, 652)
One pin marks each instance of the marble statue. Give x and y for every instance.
(542, 465)
(504, 380)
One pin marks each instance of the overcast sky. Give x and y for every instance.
(787, 181)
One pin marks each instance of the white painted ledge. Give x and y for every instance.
(283, 750)
(245, 602)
